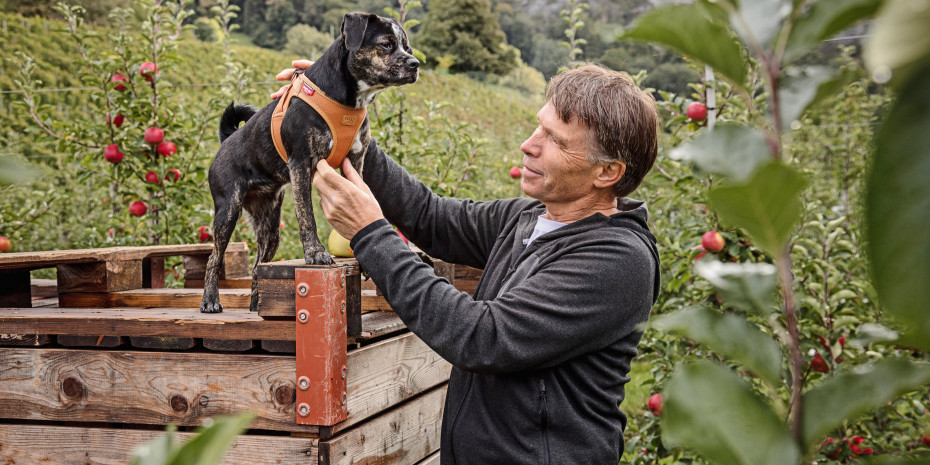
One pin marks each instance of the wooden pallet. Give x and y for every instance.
(88, 375)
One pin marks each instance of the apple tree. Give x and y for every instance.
(772, 402)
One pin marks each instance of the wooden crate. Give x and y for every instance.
(88, 374)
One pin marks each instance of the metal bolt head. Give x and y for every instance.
(303, 316)
(343, 281)
(303, 410)
(303, 289)
(343, 308)
(303, 383)
(343, 399)
(343, 372)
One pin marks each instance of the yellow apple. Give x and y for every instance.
(339, 246)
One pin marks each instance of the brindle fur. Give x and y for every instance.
(371, 54)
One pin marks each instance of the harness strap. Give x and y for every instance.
(344, 122)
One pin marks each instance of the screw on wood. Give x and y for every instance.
(343, 281)
(343, 310)
(303, 316)
(303, 289)
(343, 372)
(303, 410)
(303, 383)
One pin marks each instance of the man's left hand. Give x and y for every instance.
(347, 203)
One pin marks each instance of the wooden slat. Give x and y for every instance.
(243, 282)
(403, 436)
(164, 322)
(46, 259)
(108, 276)
(184, 388)
(232, 299)
(58, 445)
(68, 340)
(284, 269)
(431, 460)
(44, 288)
(235, 264)
(24, 340)
(171, 322)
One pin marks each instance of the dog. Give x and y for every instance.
(370, 55)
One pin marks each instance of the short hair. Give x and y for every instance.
(621, 117)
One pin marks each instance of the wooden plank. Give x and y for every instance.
(229, 345)
(431, 460)
(284, 269)
(44, 288)
(24, 340)
(184, 388)
(244, 282)
(109, 276)
(153, 272)
(15, 288)
(372, 302)
(232, 299)
(403, 436)
(162, 343)
(48, 259)
(171, 322)
(68, 340)
(466, 278)
(164, 322)
(59, 445)
(235, 264)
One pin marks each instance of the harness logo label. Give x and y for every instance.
(308, 90)
(349, 120)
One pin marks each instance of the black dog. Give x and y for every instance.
(371, 55)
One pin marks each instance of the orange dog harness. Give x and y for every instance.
(344, 122)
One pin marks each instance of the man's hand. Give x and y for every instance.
(347, 203)
(287, 74)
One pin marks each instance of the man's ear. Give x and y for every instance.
(353, 29)
(609, 174)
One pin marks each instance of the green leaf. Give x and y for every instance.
(731, 150)
(711, 410)
(14, 171)
(727, 335)
(155, 452)
(747, 285)
(823, 20)
(760, 19)
(687, 28)
(872, 332)
(839, 399)
(895, 460)
(766, 207)
(899, 43)
(898, 212)
(803, 88)
(211, 443)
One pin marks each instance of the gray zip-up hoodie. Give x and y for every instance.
(542, 350)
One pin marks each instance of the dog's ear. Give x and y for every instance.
(353, 29)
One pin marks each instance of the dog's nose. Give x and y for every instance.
(412, 63)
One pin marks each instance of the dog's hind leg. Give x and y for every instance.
(314, 253)
(265, 213)
(226, 213)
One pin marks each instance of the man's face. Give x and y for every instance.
(555, 164)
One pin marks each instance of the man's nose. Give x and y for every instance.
(530, 145)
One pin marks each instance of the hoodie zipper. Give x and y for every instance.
(544, 414)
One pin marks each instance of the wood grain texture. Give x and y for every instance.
(171, 322)
(184, 388)
(244, 282)
(43, 288)
(58, 445)
(47, 259)
(235, 264)
(90, 341)
(403, 436)
(109, 276)
(431, 460)
(232, 299)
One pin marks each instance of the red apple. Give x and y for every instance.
(712, 241)
(119, 79)
(112, 154)
(5, 244)
(166, 149)
(137, 208)
(515, 172)
(204, 233)
(819, 365)
(151, 177)
(925, 439)
(118, 121)
(655, 404)
(154, 136)
(148, 71)
(696, 111)
(173, 175)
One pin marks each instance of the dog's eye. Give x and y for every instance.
(387, 45)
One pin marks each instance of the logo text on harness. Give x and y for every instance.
(307, 89)
(349, 120)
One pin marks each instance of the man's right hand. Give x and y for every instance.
(287, 74)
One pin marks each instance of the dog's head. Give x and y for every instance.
(379, 55)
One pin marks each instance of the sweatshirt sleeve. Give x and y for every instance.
(453, 230)
(581, 300)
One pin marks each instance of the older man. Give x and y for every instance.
(542, 350)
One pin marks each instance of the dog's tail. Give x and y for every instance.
(234, 114)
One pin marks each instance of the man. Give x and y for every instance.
(542, 350)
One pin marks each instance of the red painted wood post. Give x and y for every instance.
(321, 345)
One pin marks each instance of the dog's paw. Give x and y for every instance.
(211, 306)
(320, 258)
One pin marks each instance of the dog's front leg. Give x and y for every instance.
(301, 183)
